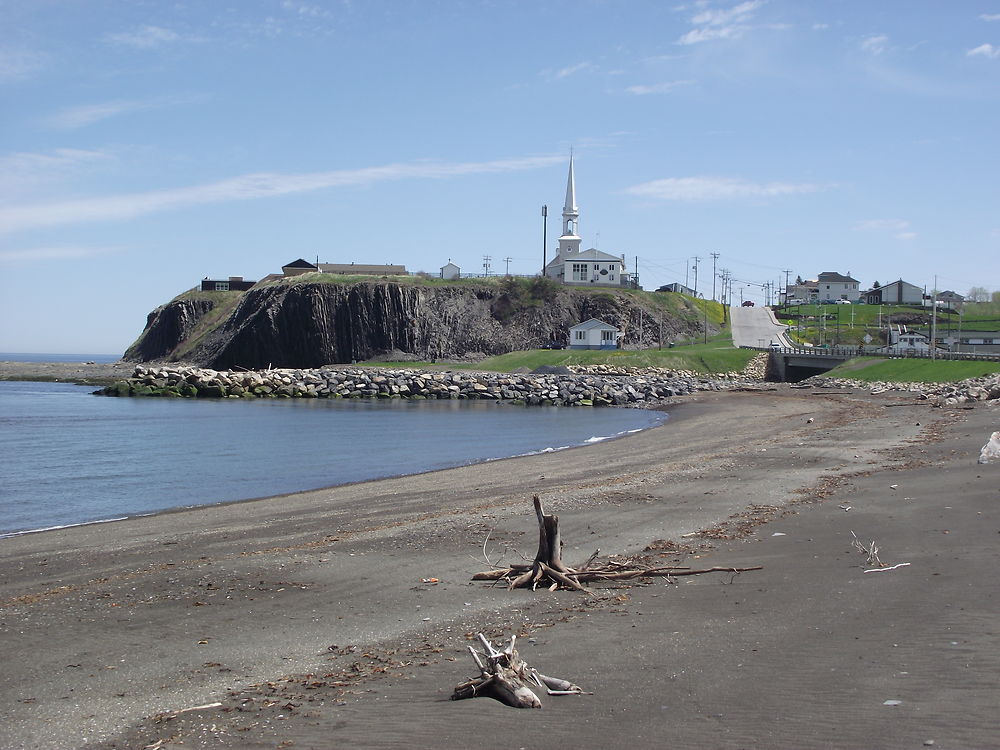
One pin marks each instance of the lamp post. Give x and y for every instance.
(545, 234)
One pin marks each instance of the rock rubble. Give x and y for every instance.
(371, 383)
(984, 388)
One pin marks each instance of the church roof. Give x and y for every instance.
(570, 205)
(299, 264)
(595, 254)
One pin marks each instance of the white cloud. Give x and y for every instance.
(990, 16)
(18, 64)
(88, 114)
(874, 44)
(722, 17)
(21, 171)
(656, 88)
(14, 218)
(984, 50)
(146, 37)
(899, 228)
(571, 69)
(64, 252)
(720, 23)
(714, 188)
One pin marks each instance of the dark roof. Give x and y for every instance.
(299, 264)
(834, 276)
(591, 324)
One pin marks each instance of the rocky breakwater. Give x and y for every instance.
(754, 371)
(972, 390)
(371, 383)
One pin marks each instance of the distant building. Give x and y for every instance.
(300, 266)
(832, 286)
(232, 284)
(952, 299)
(450, 271)
(981, 342)
(587, 267)
(678, 288)
(593, 334)
(897, 293)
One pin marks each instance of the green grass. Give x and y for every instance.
(912, 370)
(704, 358)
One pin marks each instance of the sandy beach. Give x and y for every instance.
(308, 618)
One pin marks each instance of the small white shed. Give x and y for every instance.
(450, 271)
(593, 334)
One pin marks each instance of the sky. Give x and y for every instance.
(148, 144)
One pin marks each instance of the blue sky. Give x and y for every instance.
(146, 145)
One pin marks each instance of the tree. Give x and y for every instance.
(996, 298)
(876, 285)
(978, 294)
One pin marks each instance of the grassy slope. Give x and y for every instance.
(912, 370)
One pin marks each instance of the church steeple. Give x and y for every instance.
(571, 213)
(569, 243)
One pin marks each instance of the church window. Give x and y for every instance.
(579, 272)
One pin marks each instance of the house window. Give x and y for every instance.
(222, 286)
(607, 336)
(987, 341)
(579, 272)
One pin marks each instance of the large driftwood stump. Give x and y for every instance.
(505, 677)
(548, 569)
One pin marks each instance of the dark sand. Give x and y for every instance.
(306, 617)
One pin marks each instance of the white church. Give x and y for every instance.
(578, 267)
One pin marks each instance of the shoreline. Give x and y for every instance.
(251, 604)
(590, 442)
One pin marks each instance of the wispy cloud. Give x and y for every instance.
(148, 37)
(984, 50)
(14, 218)
(569, 70)
(874, 44)
(88, 114)
(720, 23)
(898, 228)
(715, 188)
(990, 16)
(16, 64)
(62, 252)
(22, 171)
(656, 88)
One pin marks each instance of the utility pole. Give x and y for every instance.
(934, 319)
(486, 264)
(697, 259)
(545, 234)
(507, 260)
(715, 257)
(787, 271)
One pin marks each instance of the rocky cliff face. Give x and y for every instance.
(302, 324)
(166, 327)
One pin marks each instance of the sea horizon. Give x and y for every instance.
(58, 357)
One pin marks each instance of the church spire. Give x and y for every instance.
(570, 212)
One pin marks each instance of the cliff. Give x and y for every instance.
(311, 320)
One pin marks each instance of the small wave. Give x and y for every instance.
(8, 534)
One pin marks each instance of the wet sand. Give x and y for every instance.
(306, 616)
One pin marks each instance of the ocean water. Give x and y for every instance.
(69, 457)
(101, 359)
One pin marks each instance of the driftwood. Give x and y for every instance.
(549, 571)
(505, 677)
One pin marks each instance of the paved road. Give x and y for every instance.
(756, 326)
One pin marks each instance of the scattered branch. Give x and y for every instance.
(547, 570)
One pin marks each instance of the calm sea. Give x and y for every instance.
(102, 359)
(69, 457)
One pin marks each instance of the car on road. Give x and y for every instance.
(748, 303)
(843, 302)
(774, 345)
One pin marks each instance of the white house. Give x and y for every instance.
(593, 334)
(897, 293)
(450, 271)
(577, 267)
(902, 341)
(831, 286)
